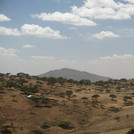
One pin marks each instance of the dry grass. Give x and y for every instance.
(21, 113)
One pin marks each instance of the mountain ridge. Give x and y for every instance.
(68, 73)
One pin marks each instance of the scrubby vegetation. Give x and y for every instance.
(33, 105)
(65, 125)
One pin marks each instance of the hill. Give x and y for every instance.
(74, 74)
(68, 108)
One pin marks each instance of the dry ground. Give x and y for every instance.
(21, 112)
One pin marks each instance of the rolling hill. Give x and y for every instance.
(74, 74)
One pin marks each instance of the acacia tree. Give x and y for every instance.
(131, 131)
(36, 100)
(61, 81)
(95, 97)
(74, 101)
(126, 98)
(51, 81)
(69, 93)
(45, 101)
(10, 84)
(85, 82)
(112, 96)
(84, 99)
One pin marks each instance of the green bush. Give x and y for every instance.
(28, 90)
(117, 118)
(128, 103)
(65, 125)
(5, 129)
(6, 132)
(36, 131)
(45, 125)
(114, 109)
(131, 131)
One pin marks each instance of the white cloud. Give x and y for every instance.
(28, 46)
(105, 34)
(44, 32)
(118, 57)
(9, 31)
(105, 9)
(131, 1)
(35, 30)
(92, 9)
(7, 52)
(4, 18)
(66, 18)
(42, 58)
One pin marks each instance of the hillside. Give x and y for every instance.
(74, 74)
(55, 108)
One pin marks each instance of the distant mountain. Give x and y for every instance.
(74, 74)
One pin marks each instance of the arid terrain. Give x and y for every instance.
(33, 105)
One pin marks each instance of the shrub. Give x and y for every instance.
(36, 100)
(45, 125)
(84, 99)
(36, 131)
(69, 93)
(5, 129)
(112, 96)
(117, 118)
(78, 90)
(131, 131)
(95, 97)
(128, 103)
(114, 109)
(28, 90)
(65, 125)
(126, 98)
(127, 116)
(6, 126)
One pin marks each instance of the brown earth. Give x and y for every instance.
(23, 116)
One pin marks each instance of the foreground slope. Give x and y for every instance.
(81, 112)
(74, 74)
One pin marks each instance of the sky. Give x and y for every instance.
(96, 36)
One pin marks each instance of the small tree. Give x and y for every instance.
(5, 129)
(45, 101)
(114, 109)
(10, 84)
(36, 131)
(127, 116)
(85, 82)
(61, 81)
(131, 131)
(118, 89)
(45, 125)
(51, 81)
(84, 99)
(112, 96)
(117, 118)
(69, 93)
(36, 100)
(126, 98)
(108, 91)
(65, 125)
(74, 101)
(95, 97)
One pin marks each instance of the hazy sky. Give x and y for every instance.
(89, 35)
